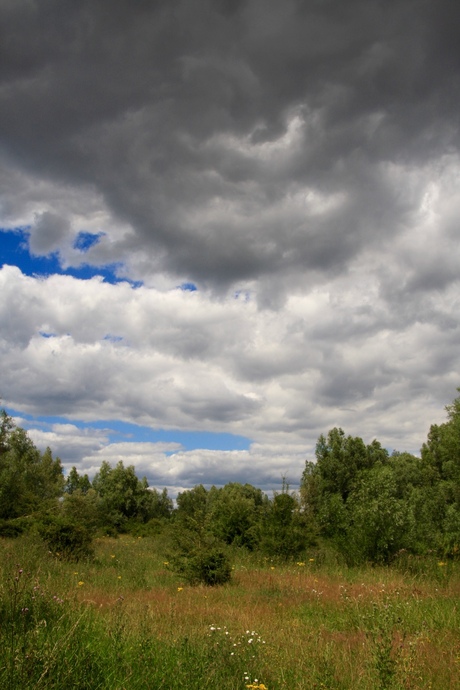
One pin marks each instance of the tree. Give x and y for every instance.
(380, 522)
(235, 512)
(29, 480)
(76, 482)
(192, 508)
(441, 466)
(286, 530)
(340, 458)
(124, 498)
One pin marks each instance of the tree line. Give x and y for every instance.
(357, 500)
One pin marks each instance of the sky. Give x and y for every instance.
(226, 227)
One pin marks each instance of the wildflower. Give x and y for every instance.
(441, 564)
(300, 563)
(179, 589)
(81, 583)
(112, 555)
(272, 567)
(119, 577)
(165, 562)
(311, 560)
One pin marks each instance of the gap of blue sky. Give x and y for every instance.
(14, 251)
(117, 431)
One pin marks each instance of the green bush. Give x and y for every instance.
(67, 540)
(208, 566)
(11, 528)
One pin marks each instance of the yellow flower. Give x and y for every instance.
(119, 577)
(272, 567)
(112, 555)
(300, 563)
(81, 583)
(311, 560)
(441, 563)
(165, 562)
(179, 589)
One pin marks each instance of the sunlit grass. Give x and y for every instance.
(128, 621)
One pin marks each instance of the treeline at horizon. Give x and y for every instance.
(355, 500)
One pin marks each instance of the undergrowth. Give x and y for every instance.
(125, 620)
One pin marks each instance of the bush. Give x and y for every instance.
(67, 540)
(11, 528)
(206, 566)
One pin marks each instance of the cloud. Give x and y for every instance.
(297, 162)
(232, 146)
(179, 359)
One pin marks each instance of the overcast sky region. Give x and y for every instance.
(227, 226)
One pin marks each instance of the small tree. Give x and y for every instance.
(286, 531)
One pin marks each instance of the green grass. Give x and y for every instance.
(126, 621)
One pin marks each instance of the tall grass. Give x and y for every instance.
(126, 621)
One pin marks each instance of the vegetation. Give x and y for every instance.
(126, 620)
(352, 582)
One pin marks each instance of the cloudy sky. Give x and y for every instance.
(228, 226)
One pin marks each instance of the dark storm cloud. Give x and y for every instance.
(173, 112)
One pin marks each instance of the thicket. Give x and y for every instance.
(355, 499)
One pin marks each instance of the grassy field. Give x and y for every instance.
(126, 621)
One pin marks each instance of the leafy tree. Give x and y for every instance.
(76, 482)
(29, 480)
(123, 497)
(197, 553)
(153, 504)
(380, 522)
(6, 427)
(340, 458)
(235, 512)
(286, 531)
(192, 509)
(442, 449)
(441, 458)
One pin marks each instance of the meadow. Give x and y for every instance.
(126, 621)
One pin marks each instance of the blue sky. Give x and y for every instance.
(15, 251)
(117, 430)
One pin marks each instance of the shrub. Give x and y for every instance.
(208, 566)
(11, 528)
(67, 540)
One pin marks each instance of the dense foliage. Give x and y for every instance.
(372, 505)
(358, 499)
